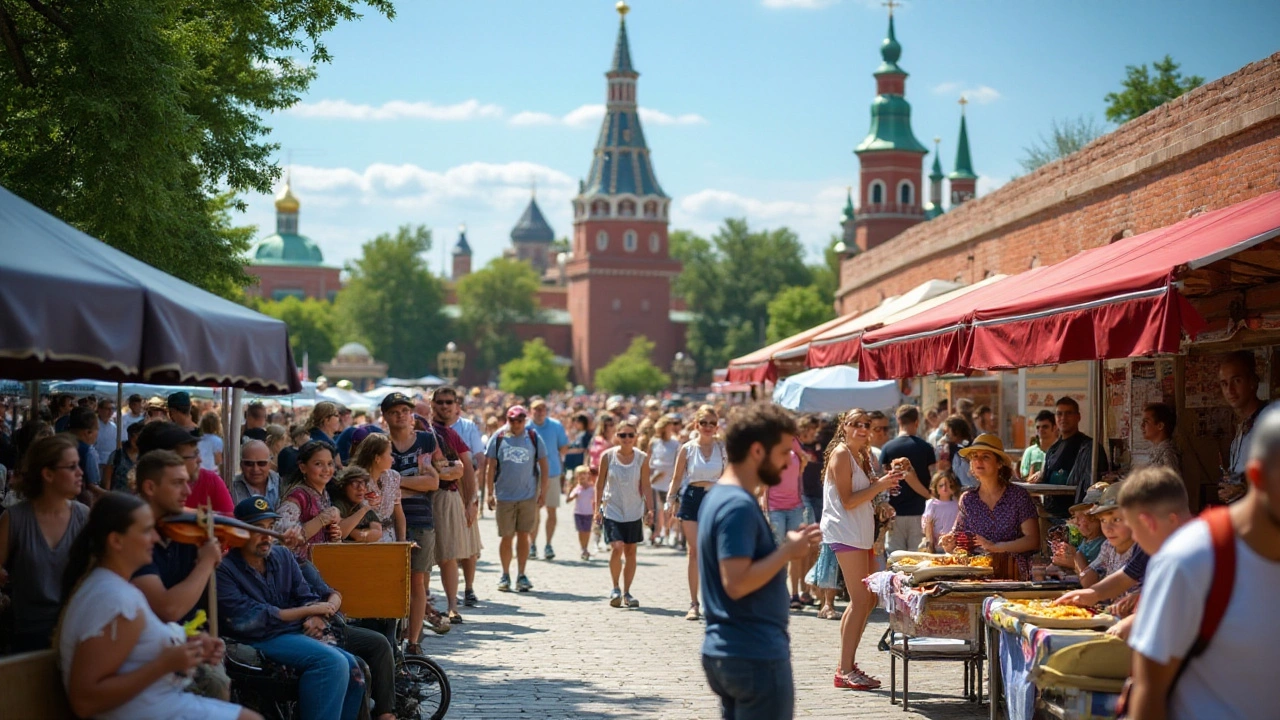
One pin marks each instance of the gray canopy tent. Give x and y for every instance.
(73, 307)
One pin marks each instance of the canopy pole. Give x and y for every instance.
(119, 415)
(233, 432)
(1099, 420)
(225, 414)
(33, 390)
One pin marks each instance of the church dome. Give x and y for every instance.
(532, 226)
(354, 352)
(287, 249)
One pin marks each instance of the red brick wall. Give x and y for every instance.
(1213, 147)
(315, 282)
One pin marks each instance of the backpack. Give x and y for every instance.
(533, 440)
(1222, 536)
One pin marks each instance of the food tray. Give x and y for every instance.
(1047, 488)
(1100, 620)
(920, 575)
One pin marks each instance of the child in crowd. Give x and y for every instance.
(941, 510)
(1077, 559)
(583, 496)
(1118, 548)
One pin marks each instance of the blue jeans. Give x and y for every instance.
(752, 689)
(784, 521)
(331, 687)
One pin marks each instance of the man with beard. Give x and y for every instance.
(746, 653)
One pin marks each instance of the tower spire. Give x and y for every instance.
(964, 181)
(622, 49)
(934, 207)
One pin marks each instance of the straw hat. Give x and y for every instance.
(987, 442)
(1091, 498)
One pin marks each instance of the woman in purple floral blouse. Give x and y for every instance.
(999, 517)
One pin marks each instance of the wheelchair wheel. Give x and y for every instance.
(422, 689)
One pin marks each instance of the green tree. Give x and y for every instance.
(313, 327)
(633, 372)
(826, 274)
(1141, 92)
(728, 283)
(535, 372)
(139, 122)
(394, 304)
(1065, 137)
(795, 310)
(490, 301)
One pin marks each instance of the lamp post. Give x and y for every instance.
(685, 370)
(450, 362)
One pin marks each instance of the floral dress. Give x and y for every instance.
(1003, 523)
(389, 490)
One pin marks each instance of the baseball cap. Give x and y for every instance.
(516, 411)
(180, 401)
(363, 431)
(1109, 500)
(164, 436)
(1091, 497)
(255, 508)
(394, 399)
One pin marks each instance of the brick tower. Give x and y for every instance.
(964, 183)
(890, 157)
(620, 274)
(461, 255)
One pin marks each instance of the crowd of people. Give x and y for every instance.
(777, 514)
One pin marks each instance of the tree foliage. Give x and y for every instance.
(394, 304)
(313, 327)
(795, 310)
(729, 281)
(138, 122)
(1065, 137)
(826, 274)
(535, 372)
(490, 301)
(1141, 92)
(633, 372)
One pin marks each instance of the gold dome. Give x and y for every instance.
(622, 8)
(286, 201)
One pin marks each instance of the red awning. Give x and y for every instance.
(930, 342)
(1109, 302)
(1115, 301)
(757, 367)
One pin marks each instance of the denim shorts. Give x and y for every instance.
(690, 501)
(784, 521)
(751, 689)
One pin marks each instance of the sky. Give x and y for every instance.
(455, 110)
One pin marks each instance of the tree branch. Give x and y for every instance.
(51, 15)
(9, 34)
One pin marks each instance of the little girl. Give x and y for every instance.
(583, 496)
(940, 511)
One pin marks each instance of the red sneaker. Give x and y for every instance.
(855, 679)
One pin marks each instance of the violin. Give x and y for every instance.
(191, 528)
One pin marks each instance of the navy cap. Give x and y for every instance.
(396, 398)
(164, 436)
(180, 401)
(255, 508)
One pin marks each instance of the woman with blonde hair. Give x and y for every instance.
(210, 445)
(698, 466)
(662, 449)
(324, 425)
(277, 440)
(849, 531)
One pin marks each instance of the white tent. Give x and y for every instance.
(834, 389)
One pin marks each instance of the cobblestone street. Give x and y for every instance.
(560, 651)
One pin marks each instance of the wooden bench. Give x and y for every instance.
(31, 687)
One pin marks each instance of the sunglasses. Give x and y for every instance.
(707, 423)
(860, 425)
(624, 436)
(444, 402)
(518, 418)
(255, 463)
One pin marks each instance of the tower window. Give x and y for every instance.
(655, 243)
(877, 192)
(627, 208)
(629, 242)
(600, 208)
(906, 193)
(651, 209)
(602, 240)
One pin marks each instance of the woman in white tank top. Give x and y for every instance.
(699, 464)
(848, 530)
(663, 449)
(623, 500)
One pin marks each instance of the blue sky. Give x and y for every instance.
(448, 113)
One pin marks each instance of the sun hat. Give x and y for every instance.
(987, 442)
(1109, 501)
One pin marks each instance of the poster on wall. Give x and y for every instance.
(1150, 381)
(1045, 385)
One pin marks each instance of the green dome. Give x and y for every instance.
(890, 127)
(287, 249)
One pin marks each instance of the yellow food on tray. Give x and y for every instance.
(1042, 608)
(980, 561)
(907, 561)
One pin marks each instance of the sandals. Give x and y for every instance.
(827, 614)
(454, 618)
(797, 603)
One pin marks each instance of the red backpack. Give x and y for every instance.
(1222, 537)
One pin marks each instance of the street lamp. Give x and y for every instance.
(685, 370)
(450, 362)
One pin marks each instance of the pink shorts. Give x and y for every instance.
(842, 548)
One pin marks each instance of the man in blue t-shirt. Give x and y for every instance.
(747, 652)
(557, 442)
(516, 480)
(905, 531)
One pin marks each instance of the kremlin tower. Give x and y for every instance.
(620, 273)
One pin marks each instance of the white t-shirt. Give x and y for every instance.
(100, 599)
(208, 446)
(1233, 678)
(856, 527)
(662, 462)
(621, 500)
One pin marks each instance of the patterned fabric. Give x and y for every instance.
(299, 507)
(1003, 523)
(389, 491)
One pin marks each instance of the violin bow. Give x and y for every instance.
(205, 517)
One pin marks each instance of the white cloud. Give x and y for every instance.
(980, 94)
(814, 219)
(590, 115)
(802, 4)
(988, 183)
(398, 110)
